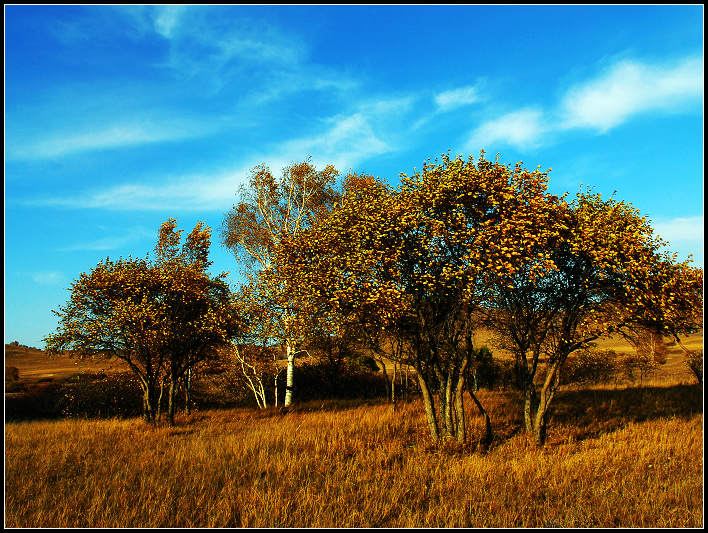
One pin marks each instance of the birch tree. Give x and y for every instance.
(268, 211)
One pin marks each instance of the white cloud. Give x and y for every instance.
(684, 236)
(348, 140)
(189, 193)
(212, 41)
(626, 89)
(455, 98)
(521, 129)
(118, 135)
(680, 229)
(630, 88)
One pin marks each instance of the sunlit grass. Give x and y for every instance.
(615, 457)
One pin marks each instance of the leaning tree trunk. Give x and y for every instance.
(149, 394)
(460, 408)
(393, 387)
(428, 403)
(550, 386)
(448, 407)
(486, 441)
(459, 403)
(530, 406)
(159, 401)
(445, 402)
(385, 376)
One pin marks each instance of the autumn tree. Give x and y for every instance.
(336, 268)
(256, 352)
(162, 317)
(649, 345)
(600, 273)
(411, 262)
(270, 209)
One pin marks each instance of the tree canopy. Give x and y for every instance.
(161, 317)
(270, 210)
(463, 244)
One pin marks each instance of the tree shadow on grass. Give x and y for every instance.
(592, 412)
(579, 414)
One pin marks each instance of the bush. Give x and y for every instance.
(11, 373)
(39, 401)
(586, 367)
(100, 395)
(637, 366)
(314, 380)
(695, 363)
(354, 380)
(363, 362)
(486, 372)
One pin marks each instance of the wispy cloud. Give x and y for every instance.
(118, 135)
(188, 193)
(680, 229)
(113, 242)
(684, 236)
(522, 129)
(450, 100)
(210, 43)
(167, 18)
(347, 140)
(459, 97)
(630, 88)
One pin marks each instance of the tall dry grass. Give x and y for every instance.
(615, 457)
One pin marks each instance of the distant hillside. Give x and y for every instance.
(17, 347)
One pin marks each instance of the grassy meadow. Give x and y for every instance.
(617, 455)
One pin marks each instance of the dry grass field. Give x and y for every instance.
(616, 456)
(34, 366)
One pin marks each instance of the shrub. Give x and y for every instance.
(502, 375)
(354, 380)
(101, 395)
(14, 386)
(695, 363)
(486, 372)
(587, 367)
(39, 401)
(637, 366)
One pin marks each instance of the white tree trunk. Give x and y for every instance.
(290, 377)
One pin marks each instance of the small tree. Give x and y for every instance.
(161, 317)
(257, 351)
(649, 345)
(253, 369)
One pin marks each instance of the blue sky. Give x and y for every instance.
(119, 117)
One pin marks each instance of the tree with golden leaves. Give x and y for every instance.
(600, 273)
(412, 262)
(269, 210)
(161, 317)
